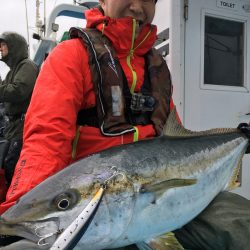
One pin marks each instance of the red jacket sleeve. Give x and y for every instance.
(50, 123)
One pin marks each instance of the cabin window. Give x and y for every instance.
(224, 52)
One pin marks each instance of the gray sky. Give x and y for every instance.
(13, 18)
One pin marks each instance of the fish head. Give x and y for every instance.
(44, 212)
(40, 220)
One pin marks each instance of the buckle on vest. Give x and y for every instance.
(142, 103)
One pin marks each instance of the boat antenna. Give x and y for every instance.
(27, 23)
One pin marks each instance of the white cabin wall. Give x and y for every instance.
(170, 14)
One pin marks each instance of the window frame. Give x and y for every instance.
(230, 17)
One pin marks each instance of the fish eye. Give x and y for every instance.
(63, 204)
(64, 201)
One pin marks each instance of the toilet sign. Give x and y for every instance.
(231, 5)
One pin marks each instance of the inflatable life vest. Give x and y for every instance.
(117, 110)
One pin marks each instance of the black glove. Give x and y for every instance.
(245, 128)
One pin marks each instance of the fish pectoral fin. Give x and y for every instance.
(161, 187)
(164, 242)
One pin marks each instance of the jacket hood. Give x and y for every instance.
(17, 48)
(120, 32)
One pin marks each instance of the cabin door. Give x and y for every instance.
(217, 68)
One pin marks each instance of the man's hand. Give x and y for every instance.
(245, 128)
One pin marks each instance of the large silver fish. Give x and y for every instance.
(153, 187)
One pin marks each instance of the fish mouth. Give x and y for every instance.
(36, 235)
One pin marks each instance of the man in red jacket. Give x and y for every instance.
(103, 88)
(56, 130)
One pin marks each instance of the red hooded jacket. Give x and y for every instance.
(64, 87)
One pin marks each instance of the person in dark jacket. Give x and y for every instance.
(15, 94)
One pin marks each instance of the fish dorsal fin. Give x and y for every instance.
(173, 128)
(160, 187)
(164, 242)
